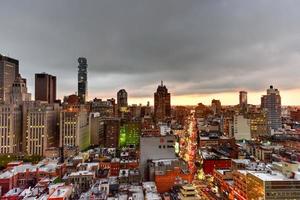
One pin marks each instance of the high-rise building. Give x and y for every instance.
(122, 97)
(19, 92)
(243, 99)
(10, 129)
(216, 106)
(162, 103)
(271, 102)
(111, 132)
(40, 128)
(82, 79)
(9, 70)
(45, 87)
(74, 128)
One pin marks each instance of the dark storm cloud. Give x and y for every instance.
(195, 46)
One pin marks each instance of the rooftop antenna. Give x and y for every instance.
(162, 83)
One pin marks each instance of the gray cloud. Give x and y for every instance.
(195, 46)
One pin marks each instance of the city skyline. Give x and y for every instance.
(194, 47)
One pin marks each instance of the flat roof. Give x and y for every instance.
(60, 192)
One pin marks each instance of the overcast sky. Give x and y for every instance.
(199, 48)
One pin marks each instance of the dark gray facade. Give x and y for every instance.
(82, 79)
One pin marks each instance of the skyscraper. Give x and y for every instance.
(216, 106)
(271, 102)
(243, 99)
(45, 87)
(82, 79)
(19, 92)
(162, 103)
(122, 98)
(9, 70)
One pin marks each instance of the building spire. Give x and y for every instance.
(161, 83)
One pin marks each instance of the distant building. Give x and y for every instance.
(45, 87)
(111, 132)
(216, 106)
(104, 130)
(10, 129)
(122, 98)
(295, 115)
(104, 108)
(155, 147)
(129, 134)
(40, 128)
(241, 127)
(9, 71)
(283, 184)
(243, 100)
(162, 103)
(82, 79)
(169, 172)
(74, 128)
(271, 102)
(258, 124)
(19, 92)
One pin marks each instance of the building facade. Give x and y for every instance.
(162, 103)
(10, 129)
(45, 87)
(9, 70)
(40, 128)
(243, 102)
(271, 102)
(19, 92)
(82, 79)
(74, 128)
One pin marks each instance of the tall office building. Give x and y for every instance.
(10, 129)
(82, 79)
(45, 87)
(216, 106)
(18, 93)
(162, 103)
(243, 99)
(74, 128)
(9, 70)
(271, 102)
(122, 98)
(40, 128)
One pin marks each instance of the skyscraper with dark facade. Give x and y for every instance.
(162, 103)
(243, 99)
(122, 97)
(82, 79)
(9, 71)
(271, 102)
(45, 87)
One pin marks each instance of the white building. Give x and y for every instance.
(10, 129)
(241, 128)
(74, 128)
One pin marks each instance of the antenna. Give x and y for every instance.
(162, 83)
